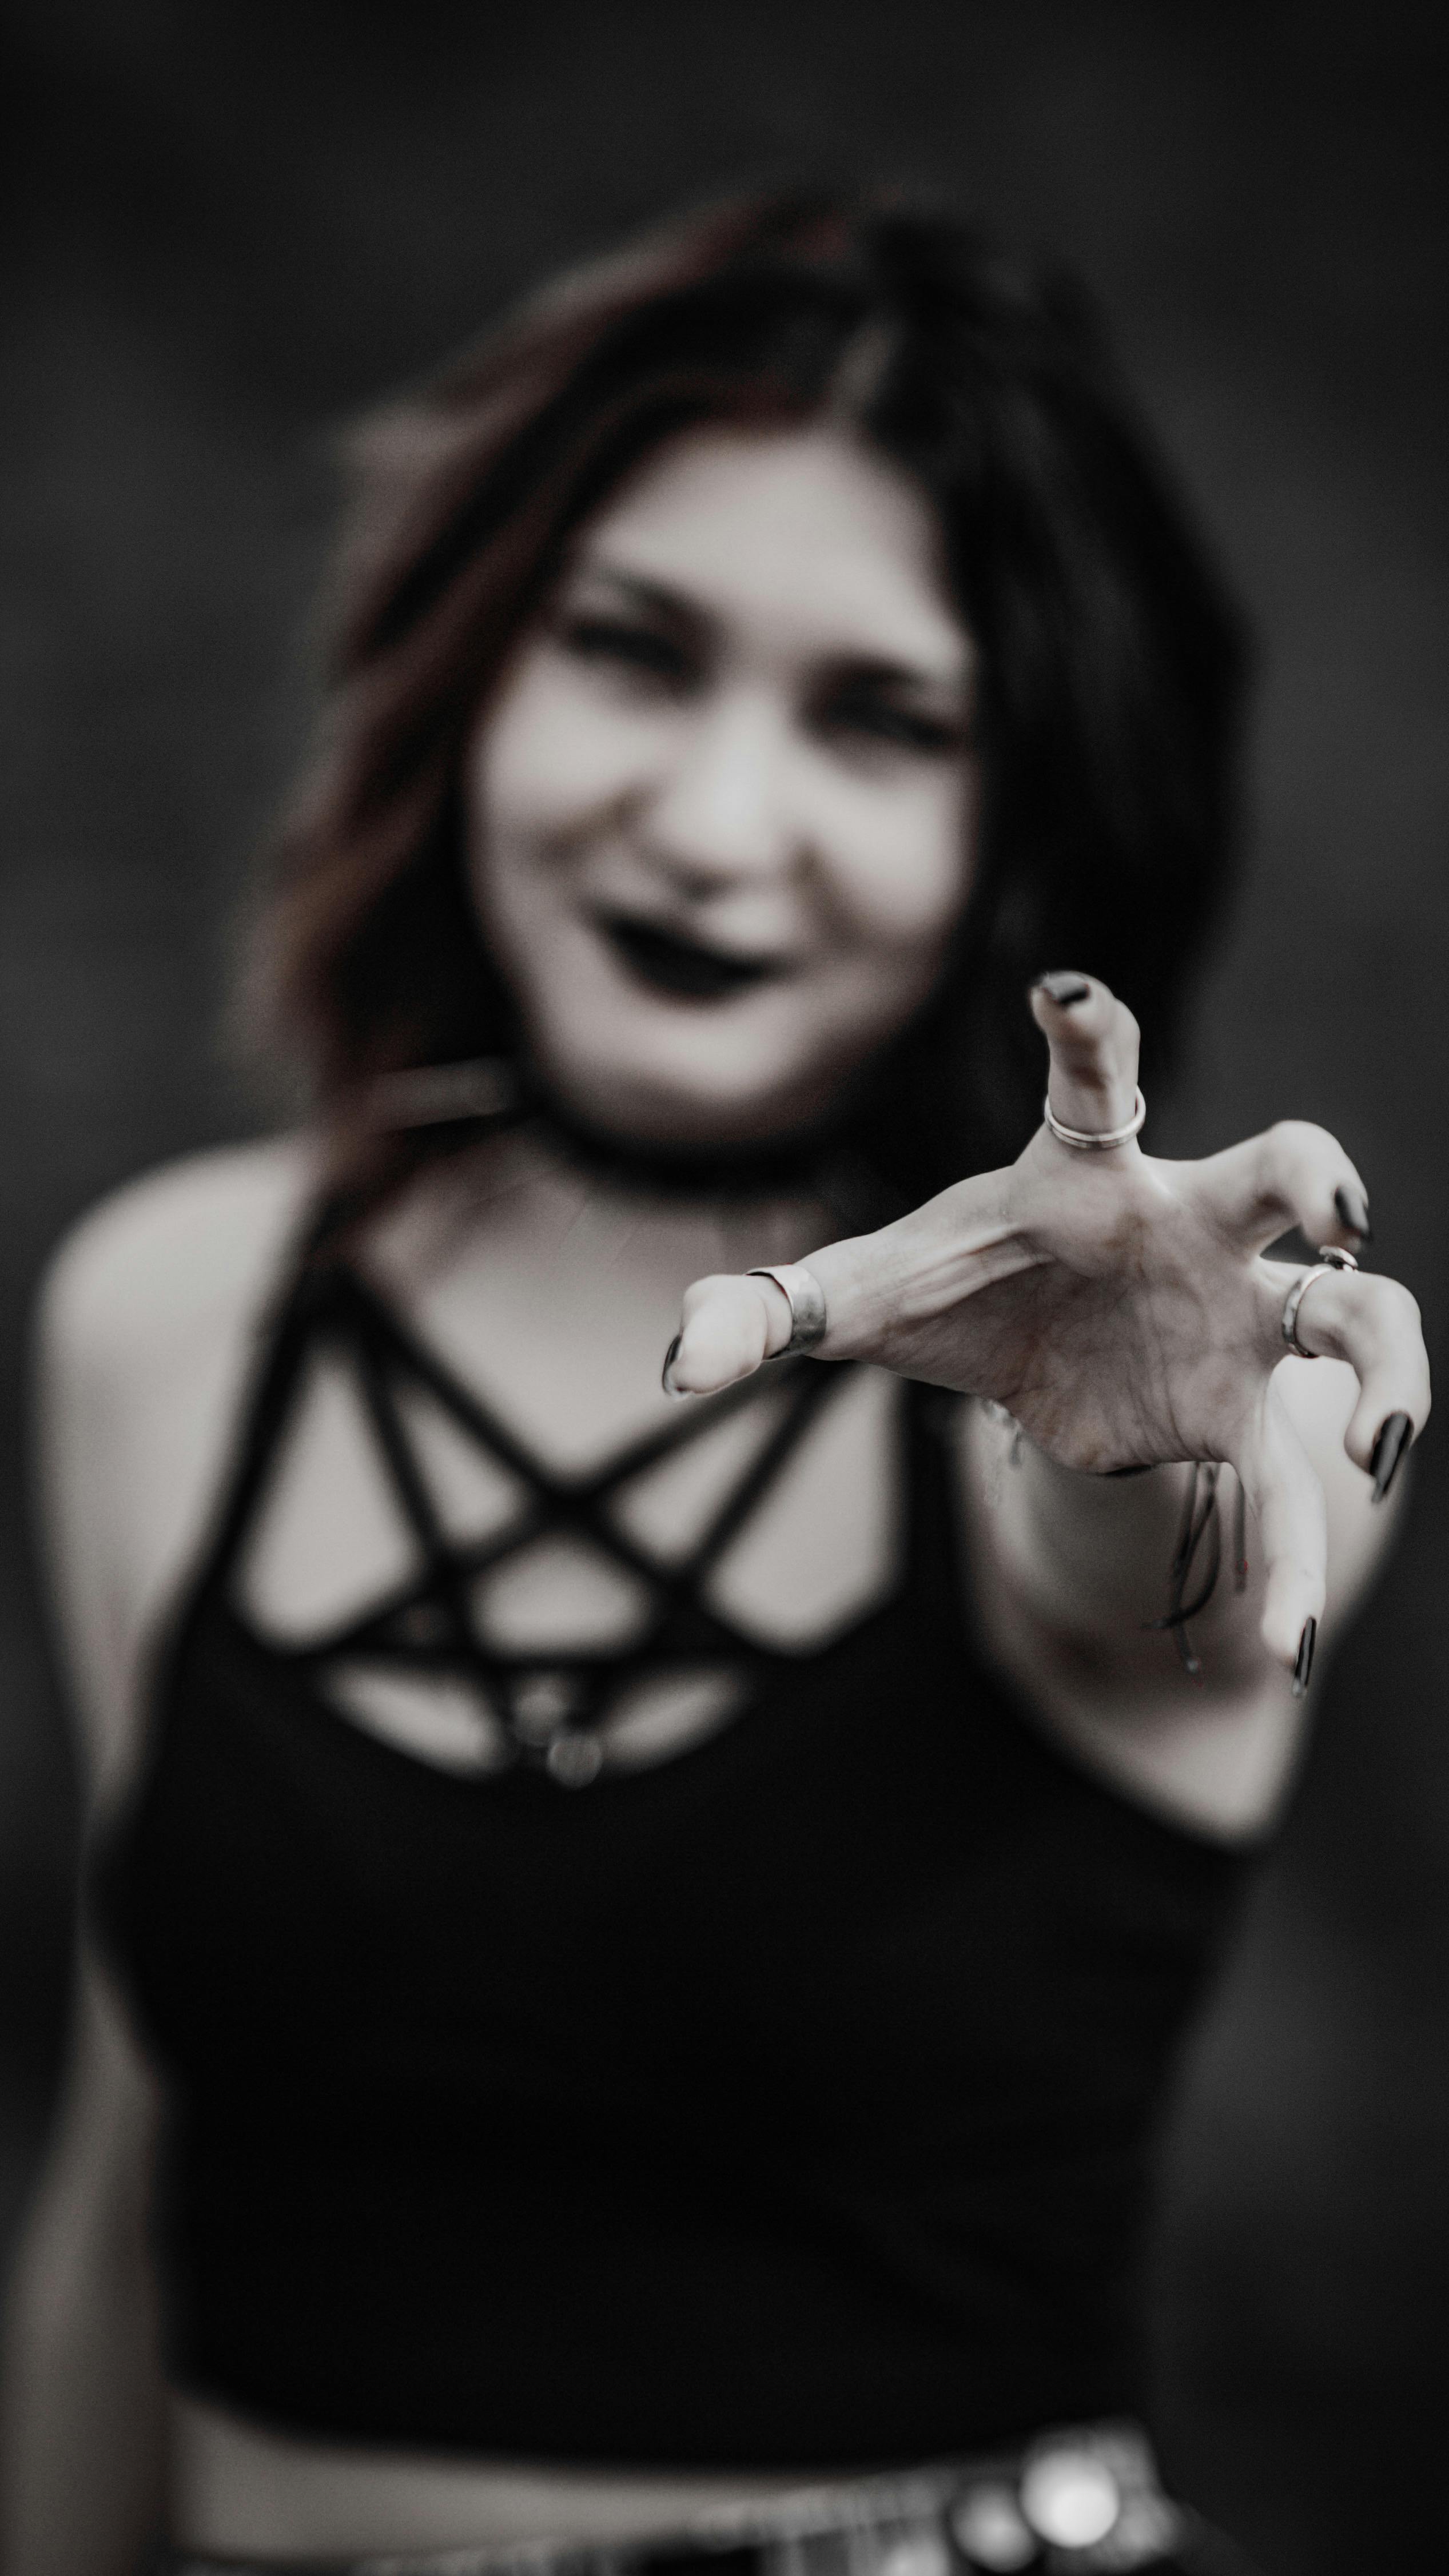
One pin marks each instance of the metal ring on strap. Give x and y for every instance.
(806, 1299)
(1089, 1140)
(1330, 1258)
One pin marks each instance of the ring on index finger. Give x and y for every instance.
(1329, 1259)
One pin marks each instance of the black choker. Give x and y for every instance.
(494, 1092)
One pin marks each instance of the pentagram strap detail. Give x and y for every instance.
(430, 1623)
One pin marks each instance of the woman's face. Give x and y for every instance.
(721, 808)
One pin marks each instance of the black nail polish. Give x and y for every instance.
(1303, 1668)
(670, 1356)
(1064, 989)
(1392, 1443)
(1353, 1209)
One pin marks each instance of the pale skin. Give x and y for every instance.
(745, 723)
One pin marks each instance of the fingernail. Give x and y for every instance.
(670, 1356)
(1064, 989)
(1393, 1440)
(1303, 1668)
(1352, 1207)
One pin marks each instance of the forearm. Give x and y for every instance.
(1081, 1566)
(81, 2423)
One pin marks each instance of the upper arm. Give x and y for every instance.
(145, 1333)
(77, 1434)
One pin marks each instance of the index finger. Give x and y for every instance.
(1293, 1174)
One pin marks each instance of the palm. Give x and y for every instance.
(1124, 1331)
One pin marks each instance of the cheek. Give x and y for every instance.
(902, 860)
(546, 761)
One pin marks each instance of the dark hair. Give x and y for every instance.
(1111, 662)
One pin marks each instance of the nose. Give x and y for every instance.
(721, 810)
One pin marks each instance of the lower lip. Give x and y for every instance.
(679, 972)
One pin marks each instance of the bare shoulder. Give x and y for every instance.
(180, 1250)
(148, 1330)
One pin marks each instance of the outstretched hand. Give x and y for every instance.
(1118, 1306)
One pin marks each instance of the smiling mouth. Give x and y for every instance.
(689, 970)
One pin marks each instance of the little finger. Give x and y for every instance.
(1284, 1494)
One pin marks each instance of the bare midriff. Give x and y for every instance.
(237, 2486)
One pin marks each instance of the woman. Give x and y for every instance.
(637, 1947)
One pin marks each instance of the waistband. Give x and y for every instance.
(1082, 2501)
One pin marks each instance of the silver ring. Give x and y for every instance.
(1088, 1140)
(1329, 1259)
(806, 1300)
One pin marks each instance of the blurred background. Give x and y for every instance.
(229, 224)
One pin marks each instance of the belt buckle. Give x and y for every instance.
(1084, 2499)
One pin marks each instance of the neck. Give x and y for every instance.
(533, 1160)
(538, 1184)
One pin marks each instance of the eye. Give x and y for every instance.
(874, 719)
(628, 648)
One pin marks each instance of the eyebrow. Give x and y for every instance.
(876, 669)
(653, 595)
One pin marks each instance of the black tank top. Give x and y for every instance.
(787, 2103)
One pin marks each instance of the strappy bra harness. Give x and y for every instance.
(551, 1709)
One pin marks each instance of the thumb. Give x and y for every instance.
(728, 1327)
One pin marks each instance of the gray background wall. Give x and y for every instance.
(227, 226)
